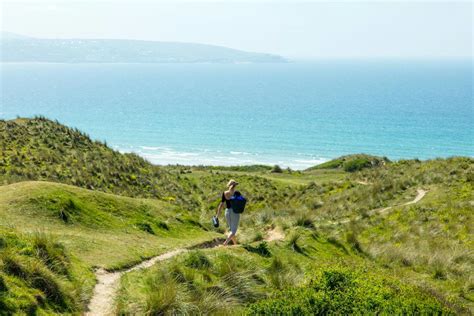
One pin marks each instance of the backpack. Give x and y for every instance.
(237, 202)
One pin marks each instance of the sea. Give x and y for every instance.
(295, 114)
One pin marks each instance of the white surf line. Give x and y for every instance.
(420, 194)
(102, 301)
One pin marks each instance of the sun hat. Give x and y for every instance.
(232, 183)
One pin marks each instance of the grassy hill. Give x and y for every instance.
(53, 235)
(351, 240)
(40, 149)
(353, 163)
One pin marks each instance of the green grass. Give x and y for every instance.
(433, 238)
(430, 285)
(69, 204)
(102, 230)
(52, 235)
(40, 149)
(239, 280)
(38, 275)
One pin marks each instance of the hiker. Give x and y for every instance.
(231, 217)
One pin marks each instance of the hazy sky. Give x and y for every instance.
(290, 28)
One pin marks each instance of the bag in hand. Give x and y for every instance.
(215, 221)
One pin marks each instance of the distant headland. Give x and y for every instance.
(19, 48)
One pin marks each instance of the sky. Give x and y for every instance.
(294, 29)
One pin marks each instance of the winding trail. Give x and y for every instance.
(420, 195)
(108, 282)
(102, 301)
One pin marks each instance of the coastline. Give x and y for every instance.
(164, 155)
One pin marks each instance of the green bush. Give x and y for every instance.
(355, 165)
(277, 169)
(343, 292)
(146, 227)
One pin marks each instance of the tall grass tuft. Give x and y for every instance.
(166, 296)
(217, 301)
(281, 275)
(293, 242)
(241, 285)
(197, 259)
(51, 253)
(51, 285)
(305, 221)
(353, 241)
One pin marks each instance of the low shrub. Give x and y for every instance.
(163, 225)
(342, 291)
(146, 227)
(277, 169)
(356, 164)
(352, 240)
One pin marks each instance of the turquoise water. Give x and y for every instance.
(295, 114)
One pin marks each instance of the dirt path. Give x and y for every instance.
(420, 195)
(102, 301)
(274, 234)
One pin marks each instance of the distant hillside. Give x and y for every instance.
(17, 48)
(45, 150)
(352, 163)
(13, 36)
(40, 149)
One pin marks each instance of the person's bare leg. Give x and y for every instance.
(229, 238)
(234, 240)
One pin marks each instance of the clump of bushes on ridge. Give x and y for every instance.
(346, 292)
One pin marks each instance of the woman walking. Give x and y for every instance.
(231, 217)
